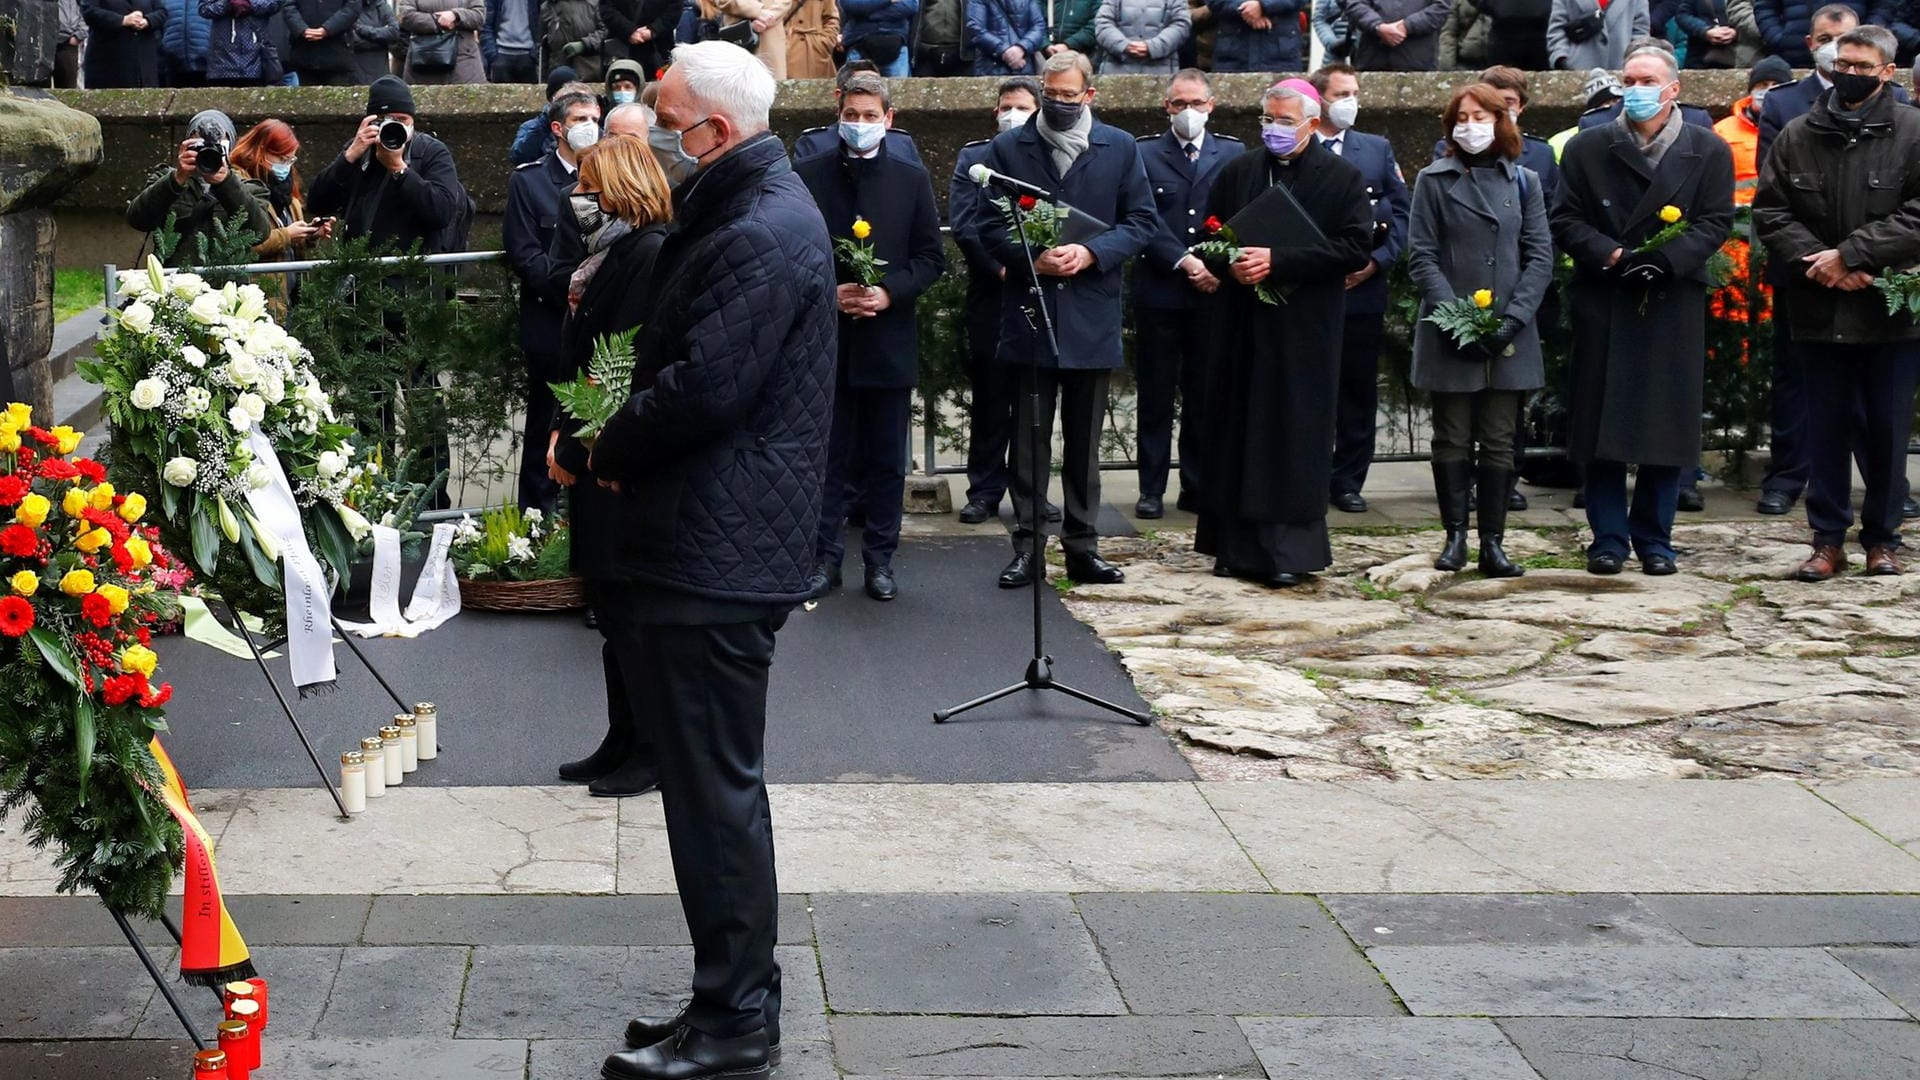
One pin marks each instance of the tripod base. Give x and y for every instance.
(1040, 677)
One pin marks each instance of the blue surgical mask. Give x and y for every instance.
(281, 169)
(624, 97)
(861, 137)
(1643, 102)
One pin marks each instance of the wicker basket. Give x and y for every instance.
(555, 594)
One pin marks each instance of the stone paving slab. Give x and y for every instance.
(114, 1059)
(549, 920)
(303, 978)
(1889, 806)
(1791, 920)
(1041, 1046)
(1246, 954)
(396, 1059)
(1511, 919)
(992, 955)
(1381, 1048)
(53, 921)
(384, 993)
(1473, 980)
(77, 993)
(1579, 1049)
(1893, 972)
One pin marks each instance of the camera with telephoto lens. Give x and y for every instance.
(211, 157)
(394, 134)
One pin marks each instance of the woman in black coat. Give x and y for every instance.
(621, 205)
(124, 50)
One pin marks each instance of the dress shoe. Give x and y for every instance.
(1658, 565)
(1826, 561)
(648, 1030)
(1149, 507)
(1580, 499)
(1605, 564)
(630, 779)
(1053, 512)
(824, 579)
(1221, 569)
(880, 584)
(604, 759)
(1515, 500)
(1091, 569)
(1188, 502)
(1910, 509)
(1287, 580)
(1774, 503)
(591, 620)
(1348, 502)
(1691, 500)
(690, 1054)
(1883, 562)
(977, 511)
(1019, 572)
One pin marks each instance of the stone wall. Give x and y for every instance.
(478, 122)
(44, 149)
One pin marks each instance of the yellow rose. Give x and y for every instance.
(25, 583)
(102, 497)
(77, 582)
(32, 511)
(141, 551)
(93, 540)
(74, 502)
(1483, 298)
(134, 506)
(9, 440)
(19, 415)
(116, 597)
(1669, 214)
(139, 658)
(861, 229)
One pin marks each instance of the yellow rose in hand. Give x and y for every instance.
(861, 229)
(74, 502)
(77, 582)
(141, 551)
(69, 439)
(93, 540)
(134, 506)
(32, 511)
(1483, 298)
(1669, 214)
(139, 658)
(102, 497)
(25, 583)
(116, 597)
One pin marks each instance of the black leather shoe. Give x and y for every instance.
(1090, 569)
(604, 759)
(630, 779)
(977, 511)
(1188, 502)
(1909, 509)
(1053, 512)
(1348, 502)
(1149, 507)
(1691, 500)
(591, 620)
(824, 579)
(1515, 500)
(1285, 580)
(1774, 503)
(1580, 499)
(1658, 566)
(1221, 569)
(1019, 572)
(693, 1055)
(1604, 564)
(647, 1030)
(880, 584)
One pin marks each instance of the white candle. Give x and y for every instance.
(427, 715)
(353, 781)
(409, 742)
(376, 769)
(390, 753)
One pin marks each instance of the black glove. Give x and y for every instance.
(1495, 345)
(1647, 269)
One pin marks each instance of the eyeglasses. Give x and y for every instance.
(1857, 67)
(1188, 103)
(1063, 97)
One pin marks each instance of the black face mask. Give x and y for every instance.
(1850, 89)
(1062, 115)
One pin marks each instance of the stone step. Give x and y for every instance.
(76, 402)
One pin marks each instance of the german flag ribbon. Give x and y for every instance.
(212, 953)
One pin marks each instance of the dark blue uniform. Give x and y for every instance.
(1167, 327)
(1359, 399)
(536, 209)
(994, 385)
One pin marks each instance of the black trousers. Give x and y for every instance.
(709, 724)
(994, 386)
(1168, 359)
(514, 68)
(866, 454)
(1082, 399)
(536, 487)
(1355, 416)
(66, 66)
(622, 718)
(1787, 422)
(1861, 405)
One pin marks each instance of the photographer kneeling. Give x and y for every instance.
(392, 185)
(200, 189)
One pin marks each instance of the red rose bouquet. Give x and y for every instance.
(1222, 246)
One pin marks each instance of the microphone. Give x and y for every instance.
(986, 177)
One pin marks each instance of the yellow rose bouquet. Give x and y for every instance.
(1673, 223)
(855, 254)
(1469, 320)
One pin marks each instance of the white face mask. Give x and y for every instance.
(582, 135)
(1014, 118)
(1189, 123)
(1514, 115)
(1760, 98)
(1474, 138)
(1825, 55)
(1342, 113)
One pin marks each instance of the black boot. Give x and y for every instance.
(604, 759)
(1452, 480)
(1493, 525)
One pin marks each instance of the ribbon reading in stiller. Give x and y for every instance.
(212, 953)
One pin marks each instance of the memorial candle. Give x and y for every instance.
(247, 1053)
(427, 715)
(409, 742)
(210, 1065)
(375, 758)
(353, 781)
(390, 753)
(233, 1038)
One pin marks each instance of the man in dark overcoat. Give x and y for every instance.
(1274, 369)
(879, 360)
(1639, 316)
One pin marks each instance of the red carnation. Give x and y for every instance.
(96, 609)
(1028, 202)
(122, 559)
(18, 541)
(91, 469)
(124, 688)
(58, 469)
(12, 490)
(1212, 224)
(153, 699)
(43, 436)
(16, 616)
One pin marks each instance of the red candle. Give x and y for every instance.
(209, 1065)
(247, 1052)
(260, 995)
(233, 1040)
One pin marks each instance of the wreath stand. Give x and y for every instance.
(159, 977)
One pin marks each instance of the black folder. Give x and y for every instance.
(1275, 220)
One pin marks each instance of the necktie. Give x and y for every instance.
(1336, 145)
(1193, 152)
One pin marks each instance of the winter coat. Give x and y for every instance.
(813, 32)
(375, 32)
(331, 54)
(723, 445)
(1742, 136)
(417, 20)
(859, 18)
(1903, 18)
(1516, 32)
(994, 26)
(564, 22)
(1163, 24)
(1240, 47)
(1475, 229)
(1696, 17)
(1784, 25)
(623, 17)
(772, 49)
(1329, 25)
(1624, 21)
(1419, 52)
(72, 23)
(120, 55)
(1821, 188)
(194, 207)
(1463, 40)
(390, 213)
(238, 47)
(1070, 23)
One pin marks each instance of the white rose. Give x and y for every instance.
(254, 405)
(198, 398)
(138, 317)
(186, 286)
(272, 389)
(149, 394)
(180, 471)
(243, 370)
(256, 475)
(330, 464)
(134, 284)
(207, 309)
(193, 356)
(238, 419)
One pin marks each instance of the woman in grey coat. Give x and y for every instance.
(1141, 37)
(1583, 35)
(1479, 223)
(422, 20)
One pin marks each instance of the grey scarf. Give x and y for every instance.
(1662, 141)
(601, 239)
(1067, 145)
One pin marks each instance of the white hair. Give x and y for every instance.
(1664, 55)
(619, 114)
(728, 80)
(1309, 108)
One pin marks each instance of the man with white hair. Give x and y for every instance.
(720, 451)
(1639, 305)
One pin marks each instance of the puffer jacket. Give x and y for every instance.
(1903, 18)
(1164, 25)
(1821, 187)
(1242, 48)
(723, 445)
(183, 41)
(859, 18)
(1463, 40)
(994, 26)
(566, 22)
(1784, 25)
(237, 45)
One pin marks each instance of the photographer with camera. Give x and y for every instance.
(200, 189)
(392, 185)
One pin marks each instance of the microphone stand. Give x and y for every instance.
(1039, 675)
